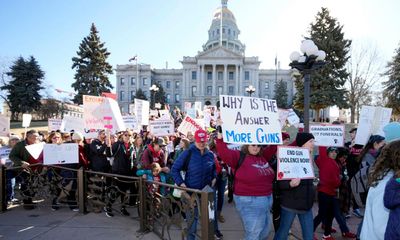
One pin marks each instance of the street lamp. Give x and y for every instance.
(311, 60)
(250, 89)
(154, 89)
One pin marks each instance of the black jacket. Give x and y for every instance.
(299, 198)
(122, 158)
(98, 156)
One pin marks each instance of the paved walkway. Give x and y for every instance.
(63, 224)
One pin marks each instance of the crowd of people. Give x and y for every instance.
(202, 159)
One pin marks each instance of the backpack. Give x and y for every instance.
(240, 162)
(359, 184)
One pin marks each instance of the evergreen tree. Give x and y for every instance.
(327, 84)
(139, 95)
(91, 67)
(23, 91)
(392, 85)
(160, 96)
(281, 95)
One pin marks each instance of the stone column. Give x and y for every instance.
(237, 79)
(203, 82)
(198, 81)
(225, 79)
(214, 80)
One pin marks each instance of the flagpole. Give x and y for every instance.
(276, 68)
(137, 74)
(220, 26)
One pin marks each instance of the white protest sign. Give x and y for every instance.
(154, 113)
(189, 125)
(131, 108)
(100, 113)
(283, 115)
(197, 106)
(371, 121)
(54, 124)
(157, 105)
(164, 114)
(142, 108)
(188, 105)
(26, 120)
(70, 123)
(191, 112)
(207, 117)
(160, 128)
(35, 149)
(250, 120)
(294, 162)
(4, 126)
(60, 153)
(4, 155)
(131, 123)
(328, 135)
(292, 118)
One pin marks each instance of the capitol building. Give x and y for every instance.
(220, 68)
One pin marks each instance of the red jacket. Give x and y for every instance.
(329, 173)
(253, 178)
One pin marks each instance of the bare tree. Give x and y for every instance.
(364, 66)
(5, 64)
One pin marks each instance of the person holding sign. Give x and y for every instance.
(252, 187)
(297, 198)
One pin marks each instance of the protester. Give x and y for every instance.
(155, 175)
(297, 198)
(200, 172)
(98, 159)
(10, 174)
(252, 187)
(154, 153)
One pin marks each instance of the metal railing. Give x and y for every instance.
(158, 210)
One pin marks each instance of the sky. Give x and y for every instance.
(161, 31)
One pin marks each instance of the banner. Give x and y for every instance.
(292, 118)
(371, 122)
(100, 113)
(54, 124)
(328, 135)
(142, 108)
(66, 153)
(70, 123)
(160, 128)
(189, 125)
(250, 120)
(35, 149)
(294, 162)
(131, 123)
(4, 126)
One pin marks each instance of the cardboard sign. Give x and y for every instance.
(189, 125)
(250, 120)
(160, 128)
(35, 149)
(294, 162)
(142, 108)
(70, 123)
(131, 123)
(371, 122)
(4, 126)
(66, 153)
(292, 118)
(54, 124)
(328, 135)
(26, 120)
(100, 113)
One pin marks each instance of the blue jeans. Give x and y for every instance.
(287, 217)
(220, 187)
(10, 184)
(255, 213)
(192, 229)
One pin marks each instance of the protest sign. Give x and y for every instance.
(26, 120)
(188, 105)
(371, 121)
(4, 126)
(189, 125)
(131, 108)
(164, 114)
(283, 115)
(54, 124)
(154, 113)
(70, 123)
(100, 112)
(35, 149)
(142, 108)
(131, 123)
(294, 162)
(328, 135)
(250, 120)
(60, 153)
(191, 112)
(292, 118)
(4, 156)
(160, 128)
(197, 106)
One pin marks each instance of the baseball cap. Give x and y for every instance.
(200, 136)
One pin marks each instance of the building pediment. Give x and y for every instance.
(219, 52)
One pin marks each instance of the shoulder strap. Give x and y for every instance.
(187, 161)
(241, 160)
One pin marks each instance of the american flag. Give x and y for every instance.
(133, 58)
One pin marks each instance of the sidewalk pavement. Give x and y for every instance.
(63, 224)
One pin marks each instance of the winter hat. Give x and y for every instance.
(200, 136)
(392, 131)
(375, 139)
(303, 137)
(285, 136)
(14, 137)
(77, 136)
(332, 149)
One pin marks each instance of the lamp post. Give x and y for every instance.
(311, 60)
(250, 90)
(154, 89)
